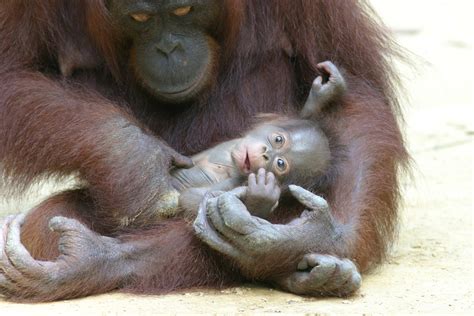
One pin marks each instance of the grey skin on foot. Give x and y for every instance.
(322, 275)
(83, 255)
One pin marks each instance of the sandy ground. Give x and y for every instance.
(431, 267)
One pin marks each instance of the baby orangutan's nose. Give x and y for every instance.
(265, 155)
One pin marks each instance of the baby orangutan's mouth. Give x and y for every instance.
(247, 163)
(241, 159)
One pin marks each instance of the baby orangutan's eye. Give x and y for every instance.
(277, 139)
(281, 164)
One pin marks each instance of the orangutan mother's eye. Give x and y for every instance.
(182, 11)
(140, 17)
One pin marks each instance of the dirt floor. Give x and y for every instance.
(430, 270)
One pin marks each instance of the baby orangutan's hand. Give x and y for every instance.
(263, 193)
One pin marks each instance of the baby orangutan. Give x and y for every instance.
(277, 151)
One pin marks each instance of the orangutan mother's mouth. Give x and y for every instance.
(184, 90)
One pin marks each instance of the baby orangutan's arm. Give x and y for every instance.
(190, 199)
(260, 196)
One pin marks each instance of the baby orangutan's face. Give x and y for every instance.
(275, 149)
(263, 147)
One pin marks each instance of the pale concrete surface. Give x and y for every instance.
(431, 267)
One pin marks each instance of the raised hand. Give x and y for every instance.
(323, 93)
(262, 194)
(335, 85)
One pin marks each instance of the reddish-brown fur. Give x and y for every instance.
(52, 125)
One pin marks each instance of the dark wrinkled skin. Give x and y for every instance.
(172, 55)
(224, 224)
(81, 251)
(321, 274)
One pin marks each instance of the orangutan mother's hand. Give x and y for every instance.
(261, 248)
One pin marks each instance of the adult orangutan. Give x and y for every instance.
(105, 89)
